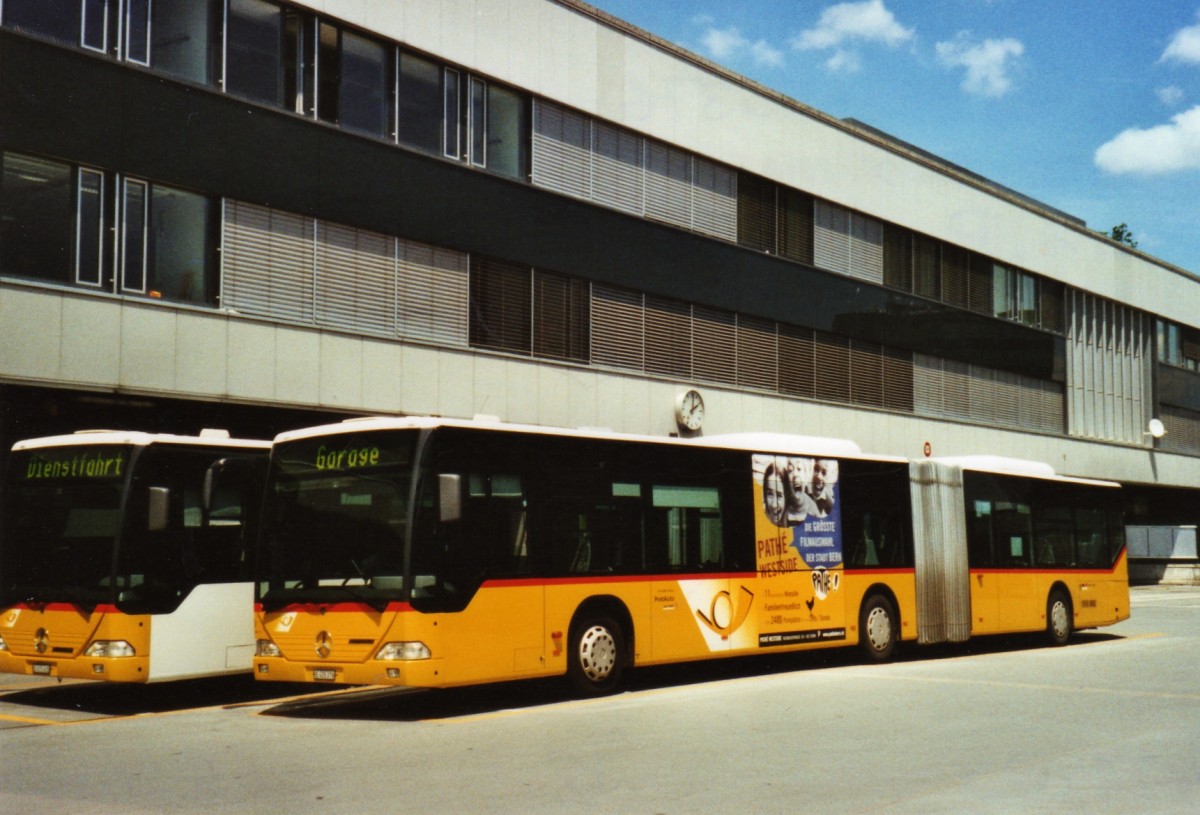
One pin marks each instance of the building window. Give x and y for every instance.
(254, 51)
(136, 29)
(561, 307)
(419, 104)
(94, 31)
(365, 85)
(166, 242)
(1178, 345)
(451, 115)
(179, 241)
(796, 225)
(501, 307)
(65, 224)
(37, 201)
(89, 235)
(185, 39)
(133, 236)
(756, 221)
(477, 123)
(57, 20)
(507, 132)
(524, 311)
(927, 263)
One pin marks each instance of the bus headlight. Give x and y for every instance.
(266, 648)
(109, 648)
(404, 650)
(3, 644)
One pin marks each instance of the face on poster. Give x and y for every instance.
(800, 508)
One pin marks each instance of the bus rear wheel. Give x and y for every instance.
(596, 659)
(1058, 618)
(877, 629)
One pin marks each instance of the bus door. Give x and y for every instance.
(188, 558)
(693, 614)
(1003, 586)
(501, 631)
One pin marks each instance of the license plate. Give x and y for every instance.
(324, 674)
(42, 668)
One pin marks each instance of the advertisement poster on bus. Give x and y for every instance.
(799, 549)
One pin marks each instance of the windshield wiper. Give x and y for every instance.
(301, 593)
(372, 600)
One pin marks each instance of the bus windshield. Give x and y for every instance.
(333, 530)
(58, 524)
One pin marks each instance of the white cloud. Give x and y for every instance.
(728, 45)
(988, 63)
(723, 43)
(766, 55)
(1184, 46)
(844, 62)
(1170, 96)
(1167, 148)
(868, 21)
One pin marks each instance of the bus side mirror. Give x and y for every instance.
(160, 509)
(449, 497)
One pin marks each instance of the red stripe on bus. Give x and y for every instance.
(613, 578)
(334, 608)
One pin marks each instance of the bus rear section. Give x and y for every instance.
(1005, 547)
(433, 553)
(125, 556)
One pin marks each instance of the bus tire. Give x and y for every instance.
(596, 659)
(1058, 617)
(877, 629)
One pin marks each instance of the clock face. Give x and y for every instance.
(689, 410)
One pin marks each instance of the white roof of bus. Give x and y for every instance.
(781, 443)
(135, 437)
(1002, 465)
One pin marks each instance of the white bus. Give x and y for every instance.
(125, 556)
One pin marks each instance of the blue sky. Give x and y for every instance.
(1092, 107)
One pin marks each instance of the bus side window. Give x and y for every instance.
(1091, 541)
(1054, 536)
(684, 528)
(979, 534)
(594, 527)
(495, 517)
(1014, 532)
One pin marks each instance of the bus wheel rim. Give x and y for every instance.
(597, 653)
(879, 628)
(1058, 618)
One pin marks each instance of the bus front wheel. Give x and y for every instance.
(877, 629)
(1058, 618)
(597, 656)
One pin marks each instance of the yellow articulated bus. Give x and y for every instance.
(126, 557)
(431, 553)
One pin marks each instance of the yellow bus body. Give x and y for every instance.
(515, 630)
(51, 641)
(519, 629)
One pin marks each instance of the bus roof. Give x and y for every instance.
(1002, 465)
(781, 443)
(207, 438)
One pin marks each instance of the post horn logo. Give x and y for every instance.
(723, 617)
(41, 640)
(324, 644)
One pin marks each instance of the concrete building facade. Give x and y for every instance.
(263, 214)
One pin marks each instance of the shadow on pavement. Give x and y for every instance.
(417, 704)
(113, 699)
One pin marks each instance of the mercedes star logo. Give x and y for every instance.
(41, 640)
(324, 644)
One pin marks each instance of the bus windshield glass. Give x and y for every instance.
(335, 519)
(59, 522)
